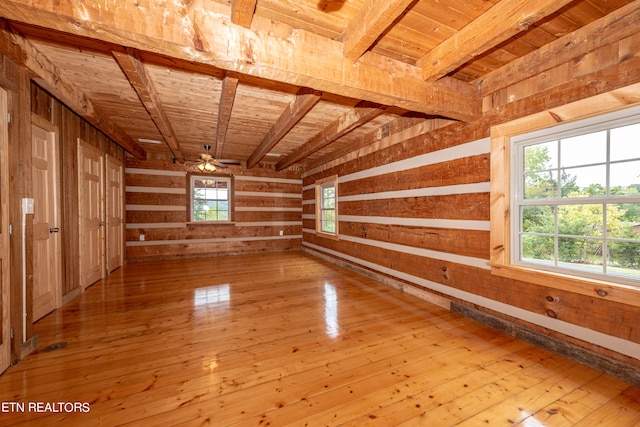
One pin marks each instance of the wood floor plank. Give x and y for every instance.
(289, 339)
(578, 404)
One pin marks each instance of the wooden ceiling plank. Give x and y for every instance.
(373, 18)
(21, 51)
(352, 119)
(305, 100)
(227, 98)
(269, 50)
(242, 12)
(133, 68)
(498, 24)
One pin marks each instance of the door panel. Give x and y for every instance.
(5, 341)
(90, 194)
(47, 258)
(115, 213)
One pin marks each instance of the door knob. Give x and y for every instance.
(102, 224)
(54, 229)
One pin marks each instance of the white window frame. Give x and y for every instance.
(218, 178)
(500, 199)
(559, 134)
(329, 182)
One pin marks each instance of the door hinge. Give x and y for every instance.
(8, 117)
(10, 229)
(11, 333)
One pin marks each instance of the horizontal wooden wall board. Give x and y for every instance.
(413, 258)
(267, 213)
(473, 206)
(470, 243)
(193, 242)
(205, 250)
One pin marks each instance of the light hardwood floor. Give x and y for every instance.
(278, 339)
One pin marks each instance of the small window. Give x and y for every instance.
(211, 198)
(327, 206)
(576, 199)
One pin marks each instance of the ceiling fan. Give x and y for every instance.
(208, 163)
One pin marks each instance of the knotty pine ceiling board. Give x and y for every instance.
(353, 138)
(100, 78)
(321, 115)
(190, 101)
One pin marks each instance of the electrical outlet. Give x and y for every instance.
(282, 232)
(142, 237)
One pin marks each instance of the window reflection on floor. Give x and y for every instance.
(331, 310)
(217, 295)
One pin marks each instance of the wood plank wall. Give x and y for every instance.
(267, 203)
(416, 212)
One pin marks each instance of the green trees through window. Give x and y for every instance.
(579, 202)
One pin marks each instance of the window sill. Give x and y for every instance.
(620, 293)
(327, 235)
(209, 223)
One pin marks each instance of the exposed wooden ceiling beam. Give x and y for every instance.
(305, 100)
(359, 115)
(373, 18)
(206, 36)
(505, 19)
(49, 77)
(617, 25)
(133, 69)
(242, 12)
(227, 98)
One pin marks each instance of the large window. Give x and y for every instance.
(327, 206)
(211, 198)
(575, 198)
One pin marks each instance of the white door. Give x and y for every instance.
(5, 342)
(47, 259)
(91, 212)
(115, 213)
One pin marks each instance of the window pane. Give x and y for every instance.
(625, 143)
(585, 254)
(329, 226)
(588, 181)
(541, 185)
(537, 248)
(538, 219)
(328, 215)
(624, 258)
(624, 178)
(580, 220)
(584, 149)
(623, 220)
(539, 157)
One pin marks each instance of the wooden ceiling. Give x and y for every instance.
(280, 81)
